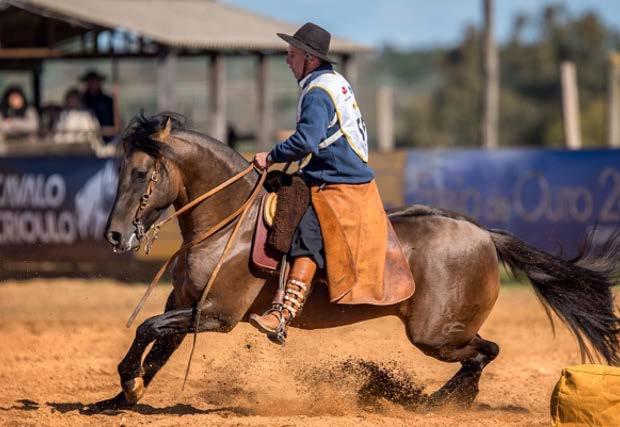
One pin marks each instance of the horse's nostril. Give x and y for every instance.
(114, 237)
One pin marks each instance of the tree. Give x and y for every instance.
(440, 89)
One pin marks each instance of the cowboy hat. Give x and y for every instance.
(92, 74)
(311, 39)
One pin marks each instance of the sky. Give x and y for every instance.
(413, 23)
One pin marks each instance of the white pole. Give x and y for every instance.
(166, 82)
(490, 99)
(385, 118)
(570, 106)
(264, 105)
(217, 97)
(613, 120)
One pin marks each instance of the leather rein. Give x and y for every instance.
(240, 213)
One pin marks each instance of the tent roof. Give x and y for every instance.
(194, 24)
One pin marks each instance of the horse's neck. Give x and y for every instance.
(205, 166)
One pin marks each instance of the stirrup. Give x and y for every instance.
(279, 336)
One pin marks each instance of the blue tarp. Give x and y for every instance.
(55, 207)
(549, 198)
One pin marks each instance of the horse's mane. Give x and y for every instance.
(139, 136)
(139, 133)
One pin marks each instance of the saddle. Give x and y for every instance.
(280, 212)
(286, 204)
(279, 216)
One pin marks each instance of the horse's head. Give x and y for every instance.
(148, 182)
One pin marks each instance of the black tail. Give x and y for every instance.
(577, 290)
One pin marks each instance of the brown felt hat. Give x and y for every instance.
(311, 39)
(92, 74)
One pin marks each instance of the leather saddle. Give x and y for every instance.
(268, 259)
(281, 211)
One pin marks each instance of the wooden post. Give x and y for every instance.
(264, 105)
(570, 106)
(37, 70)
(96, 35)
(166, 80)
(116, 93)
(385, 118)
(613, 119)
(490, 70)
(217, 97)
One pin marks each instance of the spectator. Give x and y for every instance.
(76, 123)
(102, 105)
(17, 119)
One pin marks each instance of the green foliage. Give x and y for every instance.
(442, 103)
(401, 67)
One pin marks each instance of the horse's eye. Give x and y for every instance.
(138, 175)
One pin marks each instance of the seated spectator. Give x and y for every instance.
(76, 123)
(102, 105)
(18, 120)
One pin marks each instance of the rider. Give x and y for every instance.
(330, 142)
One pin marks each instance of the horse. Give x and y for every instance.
(455, 263)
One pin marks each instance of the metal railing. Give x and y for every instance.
(58, 143)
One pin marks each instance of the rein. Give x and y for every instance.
(240, 212)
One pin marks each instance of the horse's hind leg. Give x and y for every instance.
(462, 388)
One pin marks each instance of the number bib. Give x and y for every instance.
(348, 115)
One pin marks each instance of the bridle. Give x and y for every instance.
(137, 220)
(153, 231)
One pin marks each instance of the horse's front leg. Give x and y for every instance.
(167, 328)
(162, 348)
(159, 354)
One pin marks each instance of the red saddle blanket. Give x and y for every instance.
(263, 256)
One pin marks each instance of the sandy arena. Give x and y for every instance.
(62, 339)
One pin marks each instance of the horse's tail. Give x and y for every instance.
(578, 290)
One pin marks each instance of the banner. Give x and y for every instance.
(550, 198)
(55, 208)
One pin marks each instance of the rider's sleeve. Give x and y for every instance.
(317, 110)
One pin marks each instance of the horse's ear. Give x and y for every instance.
(162, 135)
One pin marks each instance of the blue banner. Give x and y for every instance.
(550, 198)
(55, 208)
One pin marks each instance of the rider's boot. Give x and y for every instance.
(274, 321)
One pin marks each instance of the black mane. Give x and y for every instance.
(139, 133)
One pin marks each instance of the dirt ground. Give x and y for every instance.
(62, 339)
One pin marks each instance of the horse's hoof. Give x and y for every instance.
(133, 389)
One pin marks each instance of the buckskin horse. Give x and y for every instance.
(455, 263)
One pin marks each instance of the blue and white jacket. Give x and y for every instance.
(334, 164)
